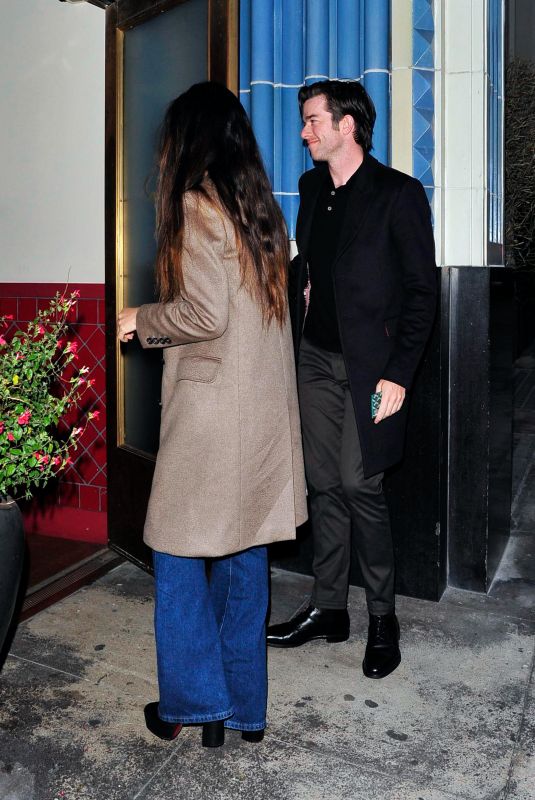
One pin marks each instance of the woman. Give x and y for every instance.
(229, 474)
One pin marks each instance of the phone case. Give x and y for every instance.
(375, 403)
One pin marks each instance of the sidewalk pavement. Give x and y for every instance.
(456, 721)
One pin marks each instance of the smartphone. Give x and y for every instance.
(375, 403)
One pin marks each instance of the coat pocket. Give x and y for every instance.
(203, 369)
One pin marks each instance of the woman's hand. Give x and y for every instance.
(126, 324)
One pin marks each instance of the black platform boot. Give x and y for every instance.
(253, 736)
(213, 733)
(159, 727)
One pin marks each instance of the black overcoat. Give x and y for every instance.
(385, 285)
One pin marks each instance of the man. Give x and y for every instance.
(362, 297)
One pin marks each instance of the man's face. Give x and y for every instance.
(323, 140)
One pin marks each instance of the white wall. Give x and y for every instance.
(461, 109)
(51, 142)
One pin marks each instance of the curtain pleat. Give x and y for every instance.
(287, 43)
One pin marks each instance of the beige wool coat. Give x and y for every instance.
(229, 472)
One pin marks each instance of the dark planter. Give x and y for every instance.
(11, 561)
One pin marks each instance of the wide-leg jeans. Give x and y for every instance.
(211, 638)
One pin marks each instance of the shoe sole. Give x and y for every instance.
(378, 675)
(328, 639)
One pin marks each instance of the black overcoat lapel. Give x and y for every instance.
(358, 205)
(308, 205)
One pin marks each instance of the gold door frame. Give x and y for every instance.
(223, 25)
(130, 471)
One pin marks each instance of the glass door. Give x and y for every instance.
(154, 51)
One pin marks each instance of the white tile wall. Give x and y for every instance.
(458, 130)
(458, 229)
(401, 121)
(458, 42)
(461, 106)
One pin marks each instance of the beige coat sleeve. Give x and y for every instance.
(201, 311)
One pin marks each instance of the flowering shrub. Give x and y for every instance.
(39, 384)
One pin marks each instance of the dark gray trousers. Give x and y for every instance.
(341, 499)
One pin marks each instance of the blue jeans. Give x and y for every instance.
(211, 638)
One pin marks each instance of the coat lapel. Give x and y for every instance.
(358, 205)
(308, 205)
(356, 212)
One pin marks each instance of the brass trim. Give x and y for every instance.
(130, 472)
(223, 65)
(233, 46)
(223, 26)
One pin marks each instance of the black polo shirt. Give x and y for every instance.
(321, 324)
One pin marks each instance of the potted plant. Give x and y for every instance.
(40, 388)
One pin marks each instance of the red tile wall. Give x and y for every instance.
(83, 485)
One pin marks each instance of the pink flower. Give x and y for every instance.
(8, 316)
(2, 341)
(76, 293)
(60, 344)
(72, 347)
(56, 460)
(94, 414)
(10, 437)
(1, 427)
(38, 455)
(77, 431)
(19, 356)
(41, 329)
(83, 370)
(45, 459)
(25, 418)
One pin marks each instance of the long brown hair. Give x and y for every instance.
(206, 132)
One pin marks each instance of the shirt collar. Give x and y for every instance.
(354, 181)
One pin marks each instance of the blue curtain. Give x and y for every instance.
(286, 43)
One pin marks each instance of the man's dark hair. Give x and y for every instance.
(345, 97)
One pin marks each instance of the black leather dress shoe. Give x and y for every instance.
(382, 651)
(312, 623)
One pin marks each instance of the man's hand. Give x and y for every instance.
(392, 397)
(126, 324)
